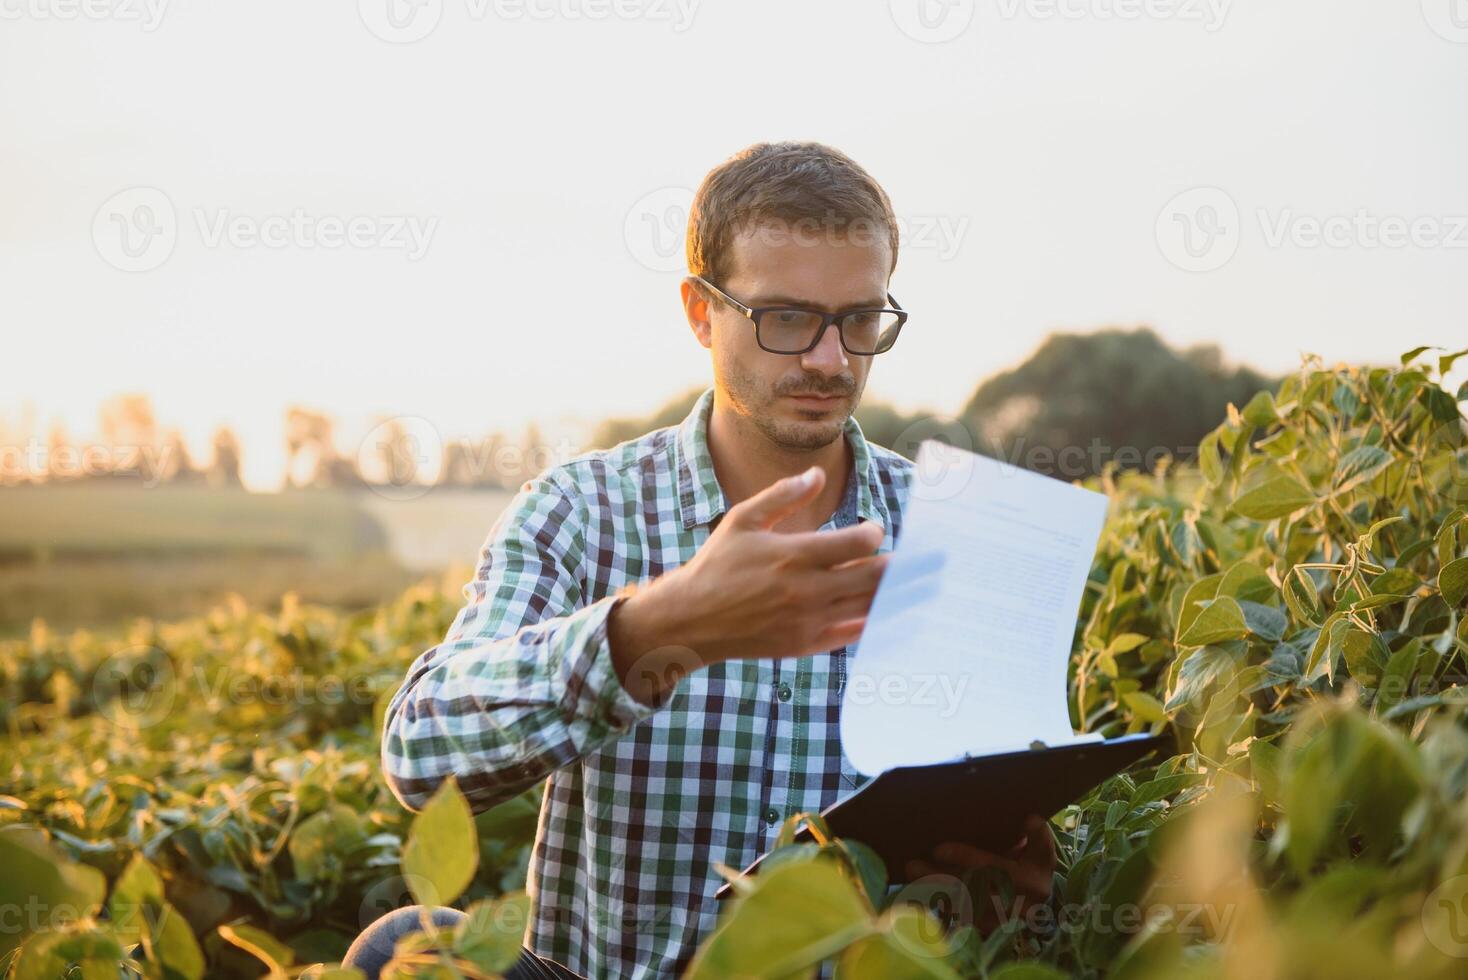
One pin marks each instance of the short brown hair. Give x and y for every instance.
(784, 184)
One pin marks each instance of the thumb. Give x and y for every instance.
(779, 500)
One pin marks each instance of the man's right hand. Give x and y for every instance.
(750, 591)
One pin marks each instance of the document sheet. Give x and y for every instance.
(966, 645)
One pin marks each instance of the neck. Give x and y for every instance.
(746, 462)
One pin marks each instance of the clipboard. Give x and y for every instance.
(905, 812)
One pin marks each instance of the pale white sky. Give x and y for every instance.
(520, 169)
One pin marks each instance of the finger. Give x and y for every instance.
(1039, 843)
(778, 500)
(973, 858)
(823, 549)
(841, 634)
(855, 578)
(846, 609)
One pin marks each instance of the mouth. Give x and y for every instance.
(817, 403)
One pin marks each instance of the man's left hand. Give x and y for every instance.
(1030, 864)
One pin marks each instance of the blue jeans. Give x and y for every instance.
(372, 950)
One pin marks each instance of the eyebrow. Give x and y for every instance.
(813, 305)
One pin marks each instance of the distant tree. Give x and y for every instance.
(311, 456)
(178, 467)
(224, 468)
(879, 421)
(1084, 399)
(612, 431)
(130, 430)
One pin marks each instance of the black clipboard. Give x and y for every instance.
(905, 812)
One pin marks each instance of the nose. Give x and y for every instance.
(827, 357)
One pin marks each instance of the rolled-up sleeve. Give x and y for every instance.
(523, 683)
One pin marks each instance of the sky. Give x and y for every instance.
(470, 211)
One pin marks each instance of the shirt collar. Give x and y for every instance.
(701, 499)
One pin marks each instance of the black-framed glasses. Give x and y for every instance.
(794, 330)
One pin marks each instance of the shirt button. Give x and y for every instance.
(772, 816)
(783, 692)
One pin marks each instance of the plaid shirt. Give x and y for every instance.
(642, 802)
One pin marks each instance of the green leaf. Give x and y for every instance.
(1442, 406)
(136, 897)
(1415, 353)
(493, 933)
(1452, 582)
(1260, 411)
(1246, 580)
(1445, 362)
(35, 874)
(1199, 671)
(1263, 621)
(910, 946)
(796, 916)
(1360, 465)
(1365, 655)
(1280, 496)
(260, 944)
(1125, 643)
(1221, 620)
(1209, 460)
(1144, 706)
(323, 840)
(1192, 601)
(442, 852)
(1301, 597)
(175, 945)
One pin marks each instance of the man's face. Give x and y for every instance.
(799, 402)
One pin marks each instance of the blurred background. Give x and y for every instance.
(295, 296)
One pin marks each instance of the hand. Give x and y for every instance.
(750, 591)
(1030, 865)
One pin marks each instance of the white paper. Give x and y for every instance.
(967, 642)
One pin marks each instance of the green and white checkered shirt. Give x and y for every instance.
(642, 802)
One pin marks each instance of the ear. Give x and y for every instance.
(697, 308)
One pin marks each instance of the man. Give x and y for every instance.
(661, 630)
